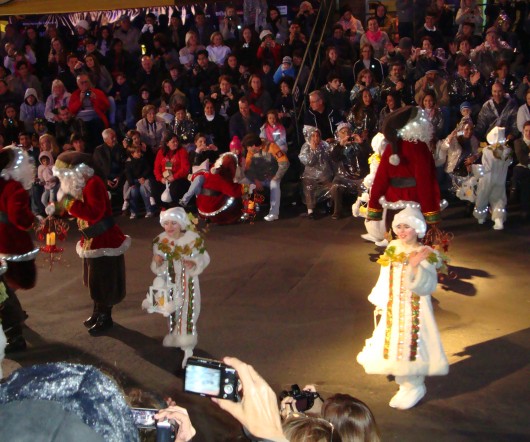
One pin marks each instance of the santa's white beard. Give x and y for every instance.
(72, 185)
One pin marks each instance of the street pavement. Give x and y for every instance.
(290, 298)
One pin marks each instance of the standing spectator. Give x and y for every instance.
(367, 61)
(265, 166)
(469, 12)
(245, 121)
(488, 54)
(340, 43)
(67, 126)
(276, 24)
(90, 105)
(465, 87)
(24, 79)
(429, 29)
(69, 76)
(353, 28)
(202, 77)
(295, 40)
(202, 27)
(148, 32)
(405, 17)
(230, 26)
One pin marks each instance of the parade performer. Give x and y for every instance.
(102, 244)
(406, 175)
(219, 200)
(179, 257)
(16, 246)
(491, 188)
(406, 342)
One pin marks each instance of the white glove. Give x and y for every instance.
(147, 28)
(50, 209)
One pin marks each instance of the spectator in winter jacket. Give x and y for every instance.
(31, 109)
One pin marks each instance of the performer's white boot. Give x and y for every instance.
(411, 391)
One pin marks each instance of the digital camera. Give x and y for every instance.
(304, 399)
(208, 377)
(144, 418)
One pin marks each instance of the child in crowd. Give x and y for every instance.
(46, 178)
(274, 131)
(139, 181)
(179, 257)
(31, 109)
(121, 92)
(406, 342)
(11, 125)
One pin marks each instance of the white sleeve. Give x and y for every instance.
(425, 280)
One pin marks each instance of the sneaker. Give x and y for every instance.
(149, 214)
(152, 201)
(133, 216)
(125, 206)
(271, 217)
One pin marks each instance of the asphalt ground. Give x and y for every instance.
(290, 297)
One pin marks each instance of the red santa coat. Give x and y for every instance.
(15, 239)
(94, 208)
(208, 205)
(417, 162)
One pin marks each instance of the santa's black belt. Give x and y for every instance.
(99, 228)
(3, 218)
(210, 192)
(401, 182)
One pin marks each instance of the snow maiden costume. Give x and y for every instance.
(103, 244)
(179, 257)
(405, 342)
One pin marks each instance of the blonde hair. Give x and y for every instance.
(53, 143)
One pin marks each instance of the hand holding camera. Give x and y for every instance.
(180, 415)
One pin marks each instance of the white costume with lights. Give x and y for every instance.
(491, 188)
(180, 281)
(405, 342)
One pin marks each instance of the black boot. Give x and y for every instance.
(89, 322)
(103, 321)
(15, 339)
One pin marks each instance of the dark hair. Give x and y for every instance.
(251, 139)
(202, 52)
(332, 76)
(429, 94)
(527, 122)
(168, 136)
(21, 63)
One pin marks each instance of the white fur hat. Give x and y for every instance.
(83, 24)
(379, 143)
(413, 218)
(175, 214)
(496, 135)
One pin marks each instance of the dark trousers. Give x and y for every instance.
(105, 279)
(11, 313)
(521, 179)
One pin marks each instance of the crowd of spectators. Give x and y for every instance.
(121, 90)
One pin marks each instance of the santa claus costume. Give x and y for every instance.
(219, 200)
(179, 257)
(406, 175)
(102, 244)
(17, 251)
(406, 342)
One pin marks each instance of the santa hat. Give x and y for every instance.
(175, 214)
(411, 217)
(408, 123)
(74, 161)
(496, 135)
(226, 165)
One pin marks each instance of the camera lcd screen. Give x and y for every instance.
(144, 417)
(203, 380)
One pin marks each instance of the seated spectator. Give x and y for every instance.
(353, 28)
(321, 116)
(121, 60)
(151, 130)
(48, 143)
(202, 27)
(375, 37)
(467, 32)
(277, 24)
(171, 170)
(301, 71)
(433, 82)
(231, 68)
(128, 35)
(335, 94)
(332, 63)
(11, 125)
(363, 118)
(217, 50)
(430, 30)
(56, 58)
(90, 105)
(398, 83)
(425, 58)
(187, 54)
(148, 31)
(120, 92)
(295, 40)
(318, 172)
(500, 110)
(69, 75)
(201, 78)
(302, 428)
(341, 43)
(245, 121)
(367, 61)
(24, 79)
(99, 75)
(225, 97)
(465, 87)
(8, 97)
(268, 49)
(502, 75)
(285, 104)
(273, 131)
(284, 70)
(392, 102)
(67, 126)
(488, 54)
(31, 109)
(77, 144)
(469, 13)
(521, 172)
(109, 158)
(523, 113)
(365, 80)
(184, 127)
(433, 113)
(59, 98)
(265, 166)
(385, 22)
(213, 125)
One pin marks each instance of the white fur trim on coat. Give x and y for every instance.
(98, 253)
